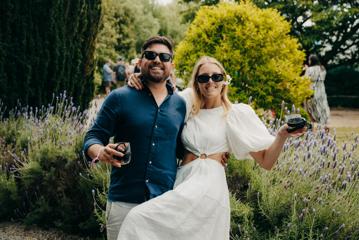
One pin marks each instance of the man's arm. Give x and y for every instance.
(97, 137)
(98, 152)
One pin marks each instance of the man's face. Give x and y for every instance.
(156, 70)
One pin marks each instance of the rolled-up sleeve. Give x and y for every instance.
(104, 126)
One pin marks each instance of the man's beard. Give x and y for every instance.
(155, 78)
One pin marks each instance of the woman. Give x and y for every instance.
(317, 106)
(198, 206)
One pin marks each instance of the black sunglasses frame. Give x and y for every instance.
(164, 57)
(204, 78)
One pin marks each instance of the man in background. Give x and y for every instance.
(107, 76)
(120, 71)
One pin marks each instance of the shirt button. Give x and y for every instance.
(147, 180)
(150, 162)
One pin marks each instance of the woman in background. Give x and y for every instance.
(317, 106)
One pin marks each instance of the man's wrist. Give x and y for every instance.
(96, 159)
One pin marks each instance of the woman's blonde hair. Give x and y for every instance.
(198, 100)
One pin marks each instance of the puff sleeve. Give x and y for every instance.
(187, 95)
(246, 132)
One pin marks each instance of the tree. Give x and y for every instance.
(168, 17)
(255, 48)
(125, 25)
(47, 47)
(108, 36)
(329, 28)
(191, 7)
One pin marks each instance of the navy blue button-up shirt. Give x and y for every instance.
(153, 132)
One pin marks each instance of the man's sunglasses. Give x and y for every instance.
(204, 78)
(164, 57)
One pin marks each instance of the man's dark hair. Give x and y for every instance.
(159, 40)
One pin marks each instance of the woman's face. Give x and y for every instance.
(211, 89)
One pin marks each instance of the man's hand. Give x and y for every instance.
(107, 153)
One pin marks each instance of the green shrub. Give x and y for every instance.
(342, 87)
(9, 199)
(312, 193)
(255, 48)
(241, 218)
(47, 47)
(343, 80)
(43, 149)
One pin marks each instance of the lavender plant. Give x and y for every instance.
(41, 152)
(312, 193)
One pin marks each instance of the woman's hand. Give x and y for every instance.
(267, 158)
(283, 132)
(135, 81)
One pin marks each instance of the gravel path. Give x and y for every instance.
(15, 231)
(344, 118)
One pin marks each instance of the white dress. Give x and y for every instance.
(318, 106)
(198, 206)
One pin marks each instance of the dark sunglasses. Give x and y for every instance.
(164, 57)
(204, 78)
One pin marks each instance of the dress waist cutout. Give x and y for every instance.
(189, 157)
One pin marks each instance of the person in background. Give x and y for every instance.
(107, 76)
(317, 106)
(120, 72)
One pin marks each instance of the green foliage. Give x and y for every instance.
(312, 193)
(124, 27)
(168, 17)
(47, 47)
(342, 87)
(319, 24)
(43, 168)
(255, 48)
(241, 218)
(108, 35)
(126, 24)
(9, 199)
(99, 179)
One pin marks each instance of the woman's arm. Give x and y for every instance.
(267, 158)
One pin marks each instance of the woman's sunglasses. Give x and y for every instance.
(164, 57)
(204, 78)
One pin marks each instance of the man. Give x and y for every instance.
(107, 76)
(121, 72)
(151, 121)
